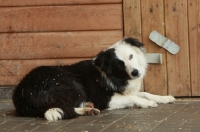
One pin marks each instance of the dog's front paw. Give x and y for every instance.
(171, 99)
(152, 104)
(166, 99)
(149, 104)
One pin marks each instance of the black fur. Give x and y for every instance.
(66, 87)
(133, 42)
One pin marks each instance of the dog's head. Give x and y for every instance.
(123, 60)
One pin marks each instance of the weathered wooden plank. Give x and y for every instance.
(153, 19)
(12, 71)
(178, 65)
(61, 18)
(56, 44)
(194, 39)
(53, 2)
(132, 18)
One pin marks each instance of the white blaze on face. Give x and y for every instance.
(133, 58)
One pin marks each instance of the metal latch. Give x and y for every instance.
(164, 42)
(152, 58)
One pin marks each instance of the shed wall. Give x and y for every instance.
(34, 33)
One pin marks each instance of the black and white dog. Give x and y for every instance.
(112, 80)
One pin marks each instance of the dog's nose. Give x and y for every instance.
(135, 72)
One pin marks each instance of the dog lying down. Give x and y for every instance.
(112, 80)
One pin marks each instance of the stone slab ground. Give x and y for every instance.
(182, 116)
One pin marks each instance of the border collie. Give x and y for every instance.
(112, 80)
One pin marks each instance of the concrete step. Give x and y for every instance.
(6, 92)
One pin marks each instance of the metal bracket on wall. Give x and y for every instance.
(170, 46)
(152, 58)
(164, 42)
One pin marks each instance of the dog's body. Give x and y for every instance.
(112, 80)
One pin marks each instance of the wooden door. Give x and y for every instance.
(194, 44)
(172, 19)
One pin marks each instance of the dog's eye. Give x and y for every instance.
(130, 56)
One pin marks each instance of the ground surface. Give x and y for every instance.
(183, 116)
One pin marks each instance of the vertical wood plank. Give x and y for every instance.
(177, 31)
(194, 39)
(132, 18)
(153, 19)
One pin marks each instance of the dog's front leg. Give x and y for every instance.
(119, 101)
(157, 98)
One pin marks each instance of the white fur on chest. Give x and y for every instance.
(126, 99)
(133, 86)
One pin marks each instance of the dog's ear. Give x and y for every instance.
(133, 42)
(103, 59)
(100, 60)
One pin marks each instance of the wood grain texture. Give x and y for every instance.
(12, 71)
(132, 18)
(177, 31)
(153, 19)
(61, 18)
(56, 44)
(53, 2)
(194, 39)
